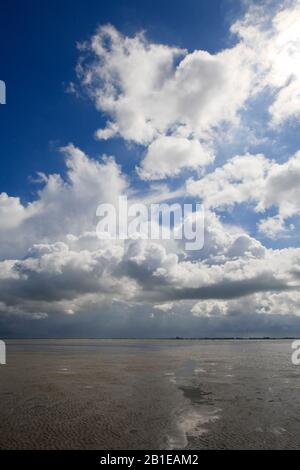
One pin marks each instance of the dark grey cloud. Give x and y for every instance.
(122, 322)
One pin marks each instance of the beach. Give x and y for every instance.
(149, 394)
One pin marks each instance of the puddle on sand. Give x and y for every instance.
(195, 414)
(191, 423)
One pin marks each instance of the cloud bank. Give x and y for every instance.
(177, 105)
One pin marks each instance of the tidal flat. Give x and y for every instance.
(149, 394)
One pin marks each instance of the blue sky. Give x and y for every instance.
(38, 58)
(195, 102)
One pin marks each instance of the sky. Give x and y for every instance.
(199, 102)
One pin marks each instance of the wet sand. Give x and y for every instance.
(149, 394)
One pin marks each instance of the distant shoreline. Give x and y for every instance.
(177, 338)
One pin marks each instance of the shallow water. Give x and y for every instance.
(149, 394)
